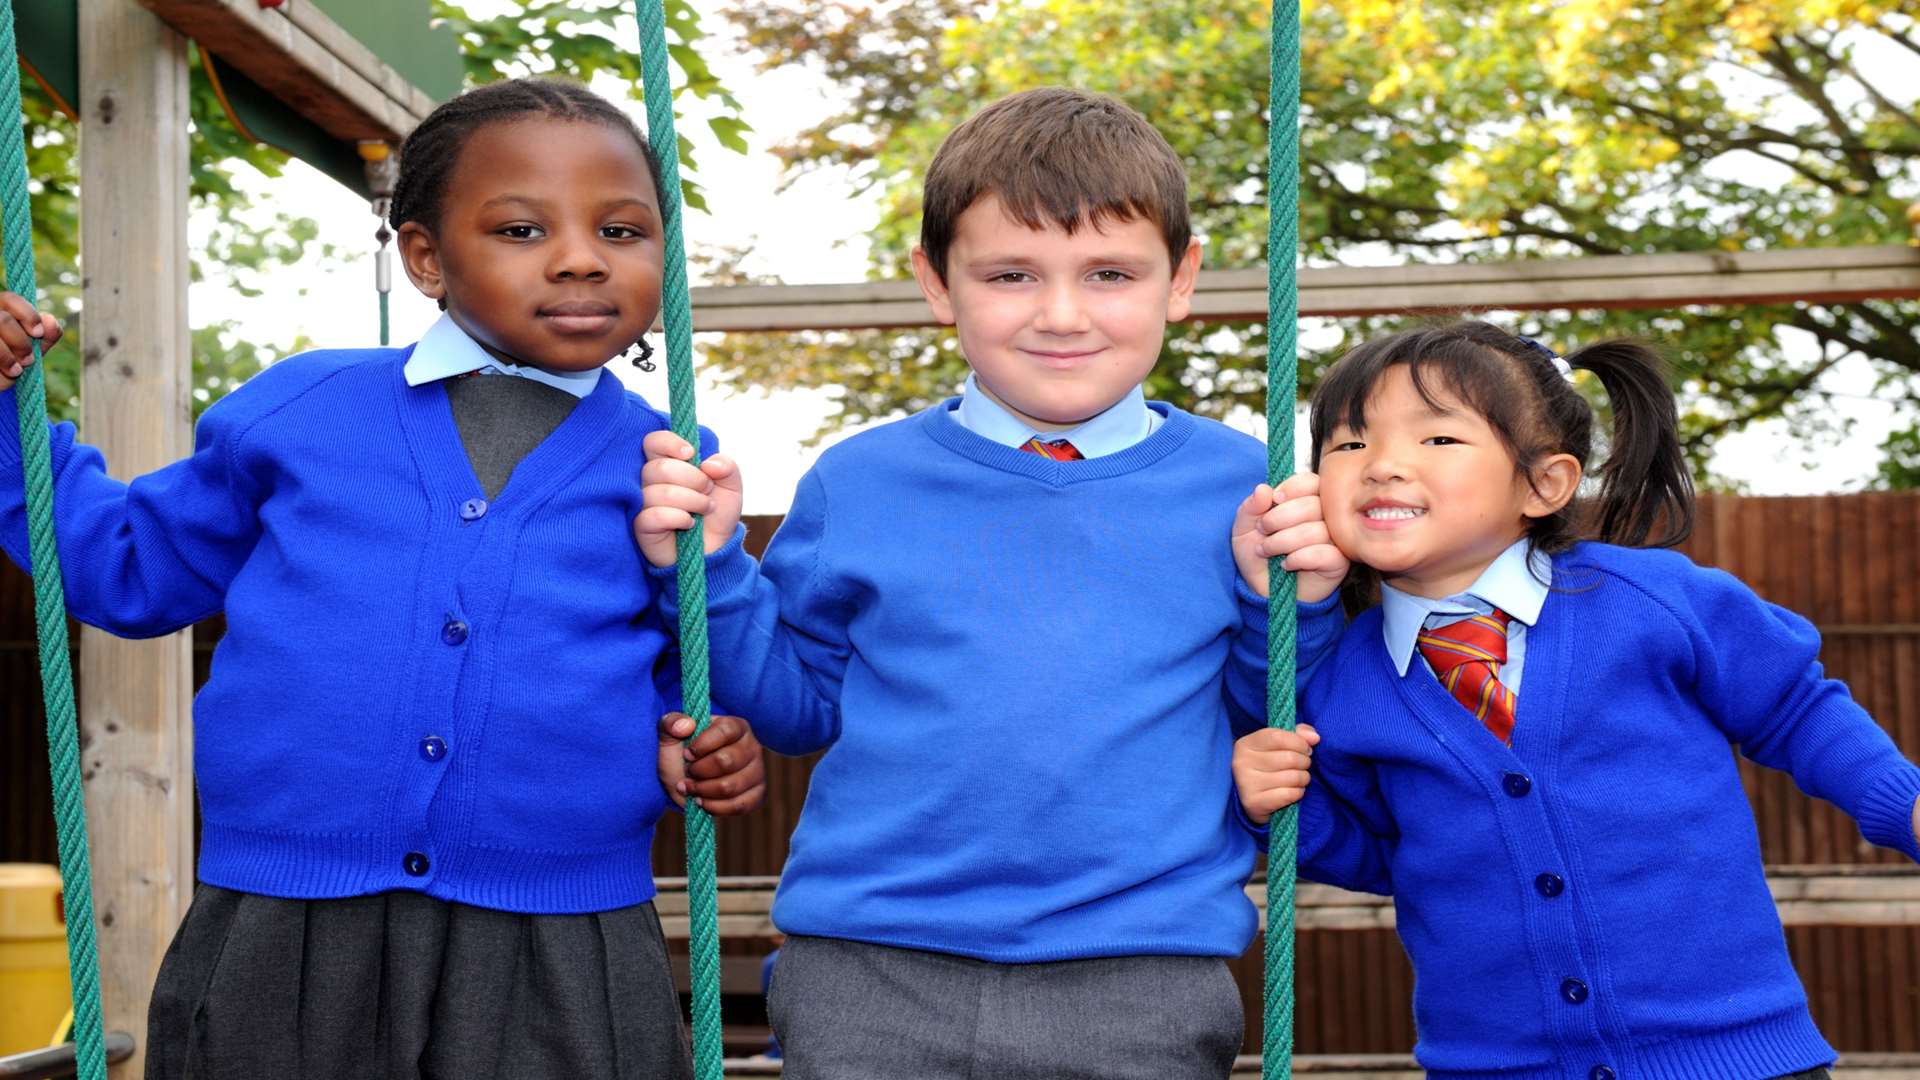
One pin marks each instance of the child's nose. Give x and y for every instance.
(575, 259)
(1384, 466)
(1061, 311)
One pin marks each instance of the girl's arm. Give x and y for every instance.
(147, 557)
(1758, 673)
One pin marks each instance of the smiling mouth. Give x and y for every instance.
(1392, 513)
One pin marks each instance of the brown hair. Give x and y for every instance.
(1056, 156)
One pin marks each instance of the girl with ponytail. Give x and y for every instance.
(1528, 735)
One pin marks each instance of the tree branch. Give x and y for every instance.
(1859, 157)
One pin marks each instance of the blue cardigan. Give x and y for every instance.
(1027, 675)
(419, 688)
(1594, 896)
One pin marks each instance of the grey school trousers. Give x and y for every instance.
(846, 1010)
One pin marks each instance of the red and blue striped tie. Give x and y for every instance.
(1467, 656)
(1058, 451)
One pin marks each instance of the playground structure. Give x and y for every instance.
(132, 74)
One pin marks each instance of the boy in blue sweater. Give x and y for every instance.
(1017, 624)
(1527, 741)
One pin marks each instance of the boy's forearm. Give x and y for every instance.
(756, 668)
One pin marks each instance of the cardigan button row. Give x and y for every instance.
(1550, 885)
(473, 510)
(1516, 784)
(1573, 991)
(433, 748)
(416, 864)
(453, 631)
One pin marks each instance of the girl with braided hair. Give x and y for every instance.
(421, 754)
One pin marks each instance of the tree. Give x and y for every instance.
(577, 39)
(1432, 130)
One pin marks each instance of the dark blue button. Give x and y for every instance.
(473, 510)
(453, 632)
(1550, 885)
(433, 748)
(1517, 785)
(415, 863)
(1573, 990)
(1600, 1072)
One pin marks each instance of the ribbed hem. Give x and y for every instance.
(1886, 813)
(311, 866)
(1776, 1046)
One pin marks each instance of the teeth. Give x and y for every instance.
(1393, 513)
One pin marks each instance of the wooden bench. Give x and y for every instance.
(1399, 1067)
(1806, 896)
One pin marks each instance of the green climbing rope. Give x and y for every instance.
(49, 595)
(703, 934)
(1283, 387)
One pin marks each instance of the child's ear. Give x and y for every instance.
(421, 257)
(932, 286)
(1186, 274)
(1554, 482)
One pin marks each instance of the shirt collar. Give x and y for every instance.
(446, 350)
(1516, 583)
(1123, 424)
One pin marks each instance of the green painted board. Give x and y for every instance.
(397, 31)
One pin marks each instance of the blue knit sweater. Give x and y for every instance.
(1594, 895)
(413, 678)
(1028, 674)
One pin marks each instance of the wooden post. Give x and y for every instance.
(135, 705)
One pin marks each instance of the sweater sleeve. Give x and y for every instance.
(1347, 831)
(1317, 629)
(778, 631)
(1757, 671)
(147, 557)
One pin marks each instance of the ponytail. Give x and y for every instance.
(1646, 489)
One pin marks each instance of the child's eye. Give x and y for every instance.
(1110, 276)
(1441, 440)
(1350, 445)
(1011, 277)
(520, 232)
(622, 232)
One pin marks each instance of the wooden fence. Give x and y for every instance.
(1851, 563)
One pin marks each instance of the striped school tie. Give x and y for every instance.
(1058, 451)
(1465, 655)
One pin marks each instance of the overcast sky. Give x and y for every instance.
(810, 234)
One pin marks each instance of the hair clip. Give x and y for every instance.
(1559, 363)
(645, 360)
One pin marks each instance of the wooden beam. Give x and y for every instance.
(306, 60)
(136, 731)
(1805, 895)
(1402, 1067)
(1824, 275)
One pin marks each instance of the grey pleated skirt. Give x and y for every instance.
(401, 985)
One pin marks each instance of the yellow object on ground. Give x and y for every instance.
(34, 991)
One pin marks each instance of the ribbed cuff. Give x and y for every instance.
(1886, 813)
(728, 568)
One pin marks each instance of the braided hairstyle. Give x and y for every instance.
(1517, 385)
(432, 150)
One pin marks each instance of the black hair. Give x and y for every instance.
(1646, 491)
(430, 152)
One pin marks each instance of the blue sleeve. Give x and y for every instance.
(147, 557)
(1317, 628)
(778, 631)
(1757, 672)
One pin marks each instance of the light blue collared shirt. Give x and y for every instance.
(445, 351)
(1509, 583)
(1124, 423)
